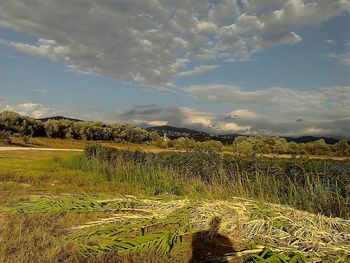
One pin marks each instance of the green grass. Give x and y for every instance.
(314, 186)
(37, 232)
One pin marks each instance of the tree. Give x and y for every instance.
(183, 143)
(320, 147)
(293, 148)
(5, 137)
(342, 147)
(209, 146)
(244, 148)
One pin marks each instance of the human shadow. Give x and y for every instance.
(209, 245)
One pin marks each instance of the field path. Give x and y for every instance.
(287, 156)
(37, 149)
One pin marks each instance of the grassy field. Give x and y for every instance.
(62, 207)
(46, 142)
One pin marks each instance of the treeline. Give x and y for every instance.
(249, 146)
(185, 143)
(277, 145)
(13, 123)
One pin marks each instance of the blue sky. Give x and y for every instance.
(223, 66)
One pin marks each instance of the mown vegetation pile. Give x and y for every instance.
(260, 232)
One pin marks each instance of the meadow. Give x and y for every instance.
(112, 205)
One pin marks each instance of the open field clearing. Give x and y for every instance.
(46, 142)
(64, 207)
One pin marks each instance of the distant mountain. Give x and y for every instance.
(176, 132)
(58, 118)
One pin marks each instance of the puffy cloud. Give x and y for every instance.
(299, 13)
(198, 70)
(244, 114)
(223, 11)
(257, 6)
(277, 39)
(181, 116)
(151, 41)
(34, 110)
(327, 122)
(157, 123)
(319, 112)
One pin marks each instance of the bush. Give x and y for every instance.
(244, 148)
(5, 137)
(209, 146)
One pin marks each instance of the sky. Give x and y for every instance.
(272, 67)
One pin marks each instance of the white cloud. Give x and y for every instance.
(245, 114)
(332, 121)
(151, 41)
(299, 13)
(34, 110)
(157, 123)
(270, 97)
(198, 70)
(329, 121)
(322, 108)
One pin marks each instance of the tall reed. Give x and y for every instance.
(319, 187)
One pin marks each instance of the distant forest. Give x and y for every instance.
(13, 124)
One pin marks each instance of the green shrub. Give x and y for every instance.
(5, 137)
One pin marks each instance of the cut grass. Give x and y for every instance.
(134, 225)
(42, 237)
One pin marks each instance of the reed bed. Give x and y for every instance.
(315, 186)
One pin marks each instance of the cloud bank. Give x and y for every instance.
(152, 41)
(324, 112)
(35, 110)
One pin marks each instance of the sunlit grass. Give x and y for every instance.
(43, 237)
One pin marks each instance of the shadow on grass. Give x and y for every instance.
(209, 245)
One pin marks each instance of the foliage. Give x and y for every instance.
(273, 144)
(203, 165)
(159, 224)
(60, 204)
(342, 147)
(315, 186)
(269, 255)
(5, 137)
(14, 123)
(244, 148)
(11, 122)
